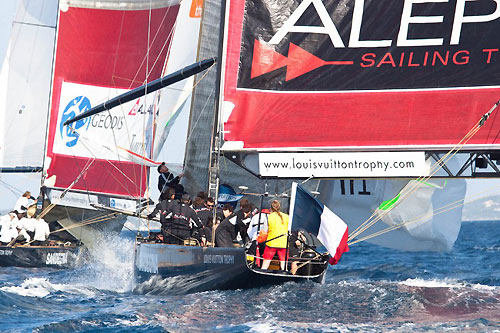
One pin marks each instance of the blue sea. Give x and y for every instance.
(372, 289)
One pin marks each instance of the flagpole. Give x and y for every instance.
(286, 253)
(257, 250)
(260, 208)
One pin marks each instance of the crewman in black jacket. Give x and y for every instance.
(166, 179)
(225, 232)
(205, 213)
(163, 207)
(243, 221)
(184, 219)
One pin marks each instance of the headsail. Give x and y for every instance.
(25, 85)
(431, 216)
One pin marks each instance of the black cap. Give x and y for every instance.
(159, 166)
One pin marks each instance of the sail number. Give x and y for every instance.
(364, 191)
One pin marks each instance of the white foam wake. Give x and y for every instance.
(445, 283)
(41, 287)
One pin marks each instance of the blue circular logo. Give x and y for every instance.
(76, 106)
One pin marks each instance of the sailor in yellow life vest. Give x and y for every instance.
(277, 235)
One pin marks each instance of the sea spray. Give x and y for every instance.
(109, 264)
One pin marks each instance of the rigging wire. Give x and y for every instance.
(453, 205)
(436, 167)
(53, 204)
(147, 74)
(145, 58)
(14, 190)
(364, 226)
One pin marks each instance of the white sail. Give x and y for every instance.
(175, 101)
(435, 213)
(25, 84)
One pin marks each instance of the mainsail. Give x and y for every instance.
(354, 75)
(360, 90)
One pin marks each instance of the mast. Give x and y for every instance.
(214, 176)
(202, 121)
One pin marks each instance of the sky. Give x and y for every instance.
(23, 182)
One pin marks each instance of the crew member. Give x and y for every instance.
(27, 224)
(243, 217)
(296, 243)
(22, 236)
(226, 231)
(8, 225)
(184, 221)
(42, 232)
(205, 213)
(276, 236)
(164, 207)
(167, 179)
(259, 218)
(22, 203)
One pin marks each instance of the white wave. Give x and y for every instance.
(138, 321)
(493, 248)
(446, 283)
(290, 326)
(41, 287)
(433, 283)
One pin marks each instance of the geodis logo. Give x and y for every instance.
(76, 106)
(367, 45)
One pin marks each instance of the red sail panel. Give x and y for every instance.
(101, 53)
(360, 74)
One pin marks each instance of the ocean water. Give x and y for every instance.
(372, 289)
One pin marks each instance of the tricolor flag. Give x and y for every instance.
(311, 215)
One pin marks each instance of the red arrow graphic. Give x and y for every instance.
(265, 59)
(299, 61)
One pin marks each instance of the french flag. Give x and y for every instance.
(309, 214)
